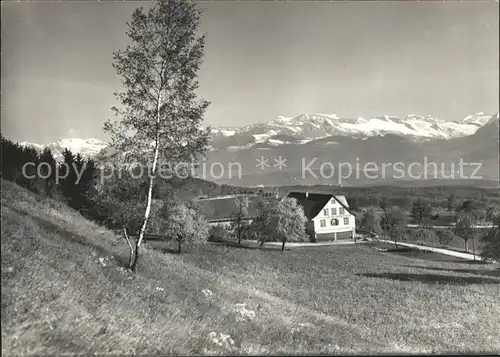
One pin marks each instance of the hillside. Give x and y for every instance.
(64, 291)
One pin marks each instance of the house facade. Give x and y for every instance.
(329, 216)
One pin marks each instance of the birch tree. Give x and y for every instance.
(159, 116)
(238, 224)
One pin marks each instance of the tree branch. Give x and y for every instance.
(131, 252)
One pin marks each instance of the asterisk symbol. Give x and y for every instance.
(262, 162)
(280, 163)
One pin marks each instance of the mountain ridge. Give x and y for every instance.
(304, 128)
(480, 147)
(308, 127)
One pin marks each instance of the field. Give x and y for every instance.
(64, 291)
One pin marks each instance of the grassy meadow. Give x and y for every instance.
(64, 290)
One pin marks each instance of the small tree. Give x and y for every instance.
(421, 211)
(491, 240)
(183, 223)
(48, 171)
(384, 203)
(451, 202)
(160, 116)
(394, 223)
(239, 222)
(370, 223)
(289, 221)
(261, 224)
(470, 206)
(492, 213)
(68, 181)
(384, 206)
(85, 186)
(30, 181)
(352, 202)
(464, 228)
(79, 180)
(280, 220)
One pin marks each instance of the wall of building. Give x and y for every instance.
(346, 235)
(327, 216)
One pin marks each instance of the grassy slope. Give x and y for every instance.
(63, 291)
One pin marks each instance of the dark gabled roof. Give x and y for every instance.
(220, 209)
(315, 201)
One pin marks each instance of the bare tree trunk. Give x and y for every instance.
(261, 242)
(395, 235)
(131, 248)
(239, 231)
(466, 241)
(474, 247)
(179, 246)
(283, 245)
(133, 266)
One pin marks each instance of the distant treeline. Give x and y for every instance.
(371, 196)
(70, 180)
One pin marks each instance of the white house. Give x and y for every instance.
(329, 215)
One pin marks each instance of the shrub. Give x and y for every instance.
(444, 236)
(422, 235)
(491, 249)
(218, 232)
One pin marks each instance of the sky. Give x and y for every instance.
(262, 60)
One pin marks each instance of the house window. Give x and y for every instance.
(341, 210)
(334, 222)
(322, 223)
(346, 221)
(325, 212)
(334, 211)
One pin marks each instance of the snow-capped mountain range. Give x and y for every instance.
(85, 147)
(305, 128)
(328, 138)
